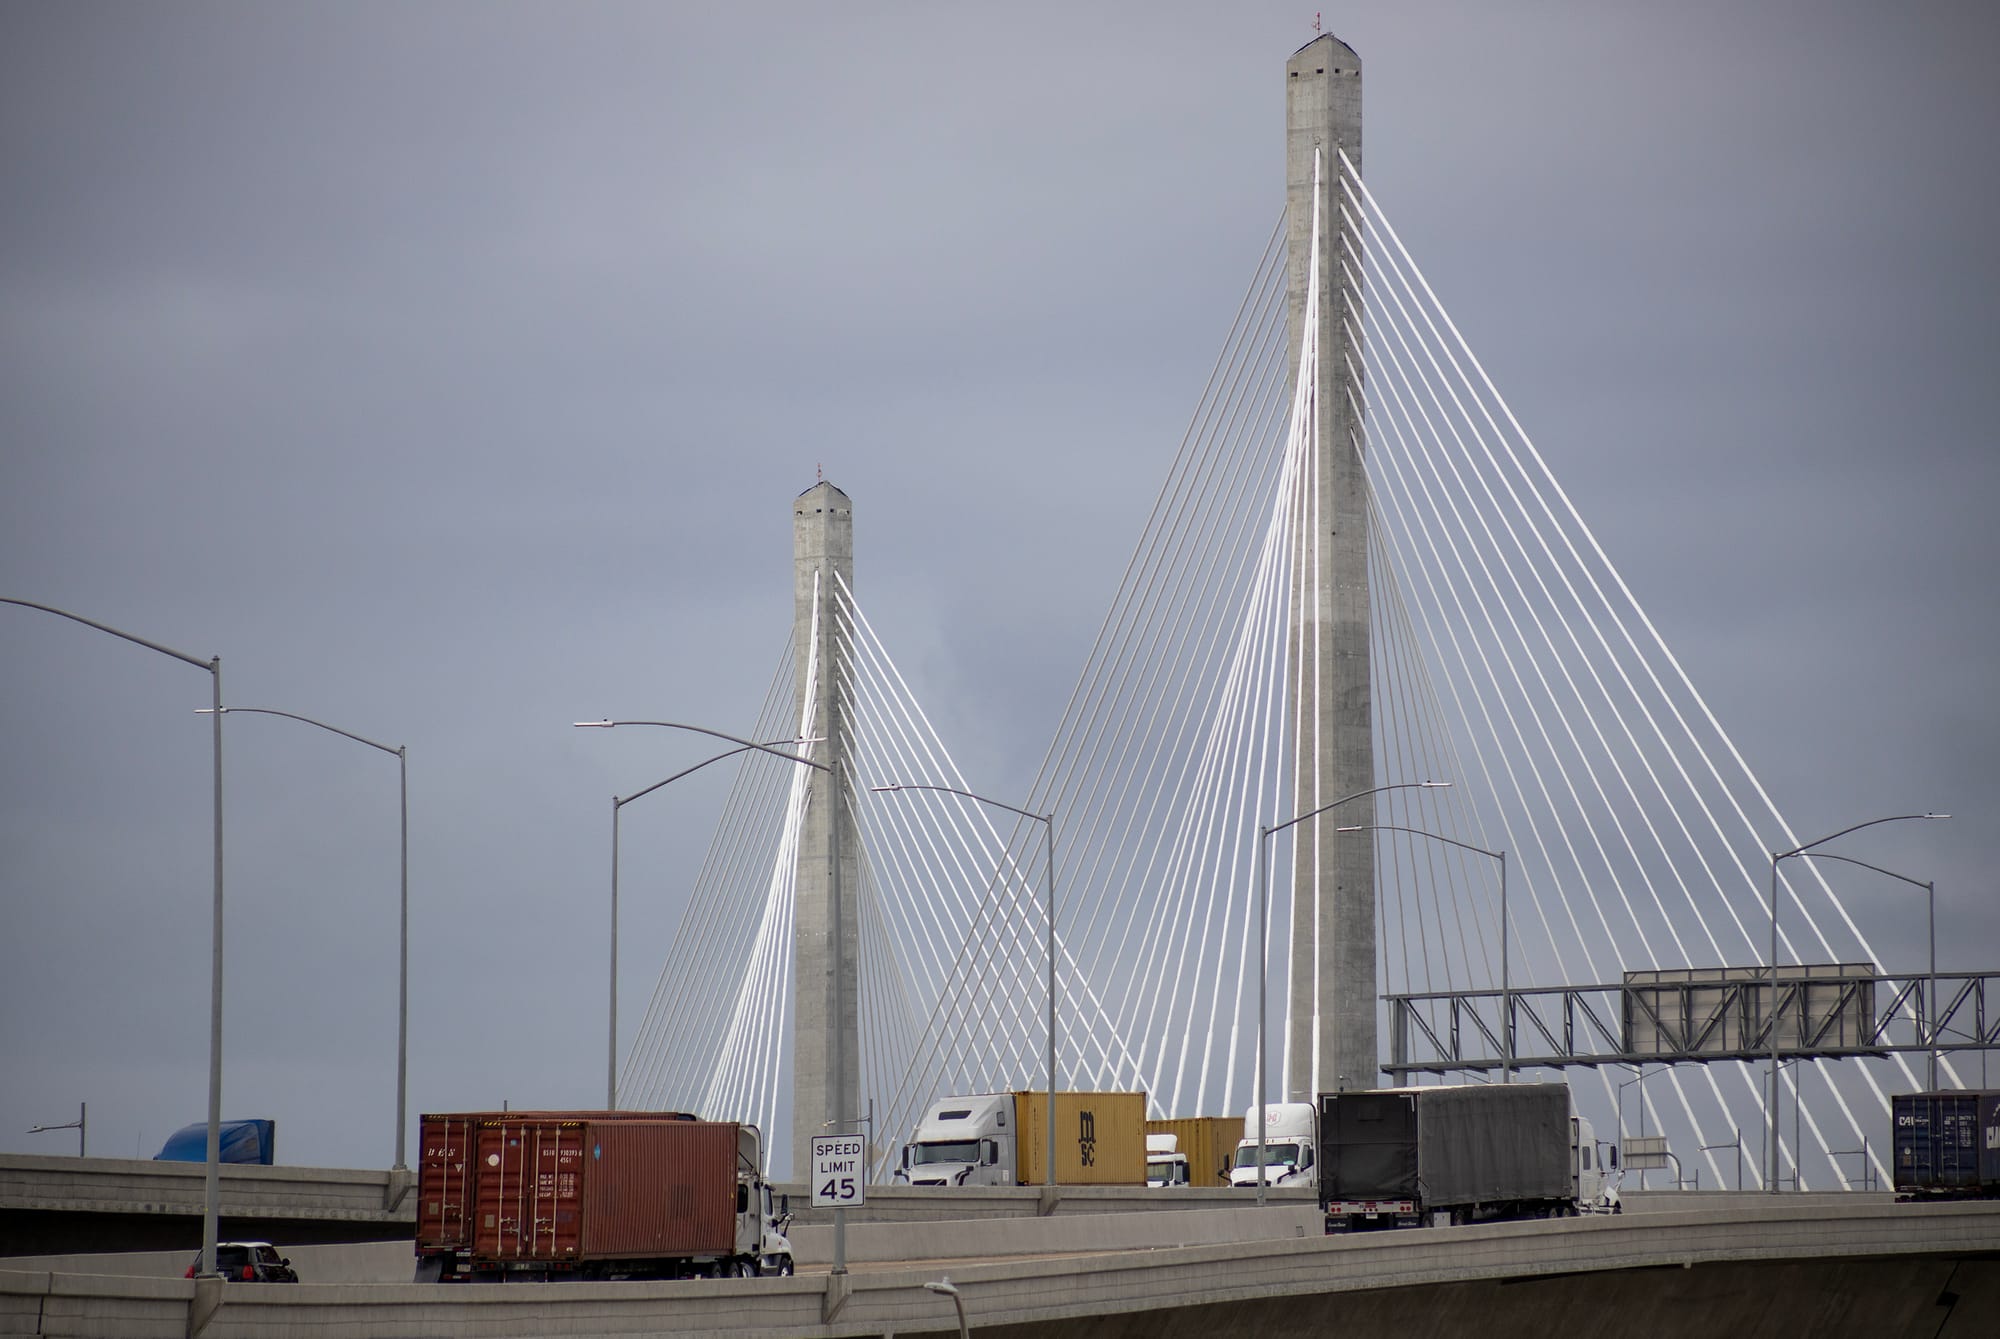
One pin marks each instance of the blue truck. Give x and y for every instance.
(243, 1141)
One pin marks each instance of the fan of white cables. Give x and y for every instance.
(1637, 835)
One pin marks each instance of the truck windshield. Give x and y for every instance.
(963, 1150)
(1275, 1155)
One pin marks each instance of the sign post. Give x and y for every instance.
(839, 1182)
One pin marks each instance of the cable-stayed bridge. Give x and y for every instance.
(1359, 574)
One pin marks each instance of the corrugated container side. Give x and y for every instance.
(527, 1208)
(659, 1189)
(445, 1181)
(449, 1166)
(1485, 1143)
(607, 1186)
(1988, 1135)
(1946, 1142)
(1209, 1142)
(1100, 1138)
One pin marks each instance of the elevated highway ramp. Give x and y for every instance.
(1782, 1269)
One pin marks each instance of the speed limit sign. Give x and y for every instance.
(838, 1181)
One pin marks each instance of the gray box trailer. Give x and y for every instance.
(1395, 1156)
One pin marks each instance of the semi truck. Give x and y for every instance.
(1166, 1165)
(252, 1142)
(1291, 1141)
(1202, 1151)
(1947, 1144)
(1467, 1153)
(1001, 1139)
(548, 1195)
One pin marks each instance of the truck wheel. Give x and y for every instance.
(785, 1267)
(745, 1270)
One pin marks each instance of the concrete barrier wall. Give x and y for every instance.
(139, 1185)
(987, 1238)
(1784, 1269)
(346, 1262)
(925, 1204)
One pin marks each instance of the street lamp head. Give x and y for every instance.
(592, 725)
(943, 1285)
(1936, 815)
(1358, 828)
(891, 787)
(1433, 785)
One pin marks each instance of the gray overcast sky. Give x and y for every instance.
(449, 369)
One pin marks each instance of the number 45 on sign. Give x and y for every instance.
(838, 1182)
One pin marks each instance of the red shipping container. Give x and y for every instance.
(550, 1188)
(447, 1181)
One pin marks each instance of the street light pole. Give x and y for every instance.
(843, 1100)
(617, 804)
(1506, 995)
(401, 754)
(1641, 1076)
(81, 1125)
(1049, 857)
(945, 1287)
(1771, 1165)
(1264, 951)
(212, 1190)
(1930, 913)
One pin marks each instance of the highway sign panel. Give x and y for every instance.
(839, 1179)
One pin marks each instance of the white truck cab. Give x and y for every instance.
(762, 1248)
(1595, 1166)
(1291, 1143)
(1166, 1165)
(963, 1141)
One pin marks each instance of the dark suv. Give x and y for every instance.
(248, 1262)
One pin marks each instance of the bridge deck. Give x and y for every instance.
(1794, 1266)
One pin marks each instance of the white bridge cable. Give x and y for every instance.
(1190, 916)
(1158, 725)
(1546, 595)
(880, 757)
(1406, 433)
(1204, 626)
(913, 752)
(1412, 749)
(736, 1081)
(1866, 1072)
(991, 994)
(1390, 486)
(1406, 403)
(1731, 848)
(715, 934)
(1148, 642)
(1133, 658)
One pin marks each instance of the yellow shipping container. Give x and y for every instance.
(1100, 1138)
(1209, 1142)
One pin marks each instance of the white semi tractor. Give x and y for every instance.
(1002, 1139)
(1290, 1147)
(1166, 1165)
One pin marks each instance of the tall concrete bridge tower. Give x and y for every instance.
(1332, 1040)
(826, 1047)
